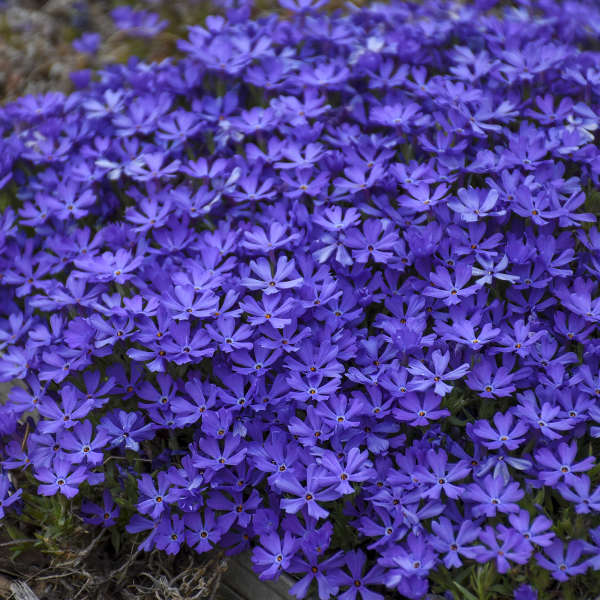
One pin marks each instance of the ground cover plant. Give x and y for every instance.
(322, 286)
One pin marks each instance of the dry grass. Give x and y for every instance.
(93, 573)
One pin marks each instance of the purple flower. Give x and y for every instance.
(72, 202)
(506, 434)
(503, 547)
(488, 270)
(414, 559)
(138, 524)
(228, 336)
(490, 381)
(81, 446)
(238, 508)
(302, 5)
(475, 204)
(170, 533)
(87, 43)
(520, 340)
(425, 378)
(272, 311)
(452, 291)
(578, 491)
(420, 198)
(139, 23)
(126, 429)
(561, 466)
(68, 414)
(341, 413)
(155, 499)
(184, 304)
(191, 407)
(186, 346)
(104, 515)
(453, 544)
(60, 478)
(373, 242)
(150, 166)
(492, 494)
(356, 581)
(274, 555)
(385, 529)
(257, 363)
(258, 241)
(463, 332)
(536, 207)
(536, 531)
(148, 214)
(307, 495)
(272, 282)
(117, 267)
(525, 592)
(546, 418)
(277, 456)
(7, 496)
(357, 468)
(321, 571)
(214, 457)
(562, 564)
(419, 410)
(439, 476)
(204, 530)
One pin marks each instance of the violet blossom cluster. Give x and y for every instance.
(329, 281)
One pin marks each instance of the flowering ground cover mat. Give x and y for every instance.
(321, 286)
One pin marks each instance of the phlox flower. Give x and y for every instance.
(419, 410)
(449, 290)
(272, 282)
(491, 495)
(424, 378)
(307, 495)
(61, 477)
(561, 561)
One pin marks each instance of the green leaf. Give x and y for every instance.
(115, 538)
(466, 594)
(14, 532)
